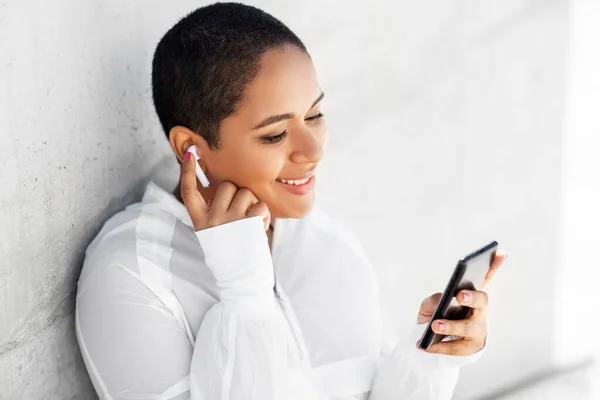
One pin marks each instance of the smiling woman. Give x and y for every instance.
(184, 296)
(274, 135)
(276, 132)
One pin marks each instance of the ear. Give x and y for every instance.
(181, 138)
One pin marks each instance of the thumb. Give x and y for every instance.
(428, 307)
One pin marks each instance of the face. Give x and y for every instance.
(274, 142)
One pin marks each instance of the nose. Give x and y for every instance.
(307, 147)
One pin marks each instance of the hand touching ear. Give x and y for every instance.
(229, 204)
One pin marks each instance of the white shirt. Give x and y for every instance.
(164, 312)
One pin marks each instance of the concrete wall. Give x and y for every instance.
(445, 122)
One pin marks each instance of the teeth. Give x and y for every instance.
(294, 182)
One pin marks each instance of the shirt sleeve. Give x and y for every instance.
(408, 373)
(244, 349)
(132, 344)
(135, 348)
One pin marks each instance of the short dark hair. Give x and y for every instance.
(202, 65)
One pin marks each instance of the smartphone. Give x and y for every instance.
(469, 273)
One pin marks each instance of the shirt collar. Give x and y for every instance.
(167, 200)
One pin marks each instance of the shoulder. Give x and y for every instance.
(124, 287)
(139, 231)
(121, 324)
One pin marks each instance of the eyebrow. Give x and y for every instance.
(276, 118)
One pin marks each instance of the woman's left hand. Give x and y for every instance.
(473, 330)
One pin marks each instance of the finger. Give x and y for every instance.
(496, 262)
(428, 307)
(261, 209)
(473, 299)
(222, 199)
(242, 201)
(466, 328)
(193, 200)
(455, 348)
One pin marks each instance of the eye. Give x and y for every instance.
(276, 138)
(315, 117)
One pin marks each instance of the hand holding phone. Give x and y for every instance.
(469, 276)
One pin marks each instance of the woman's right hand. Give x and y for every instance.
(229, 204)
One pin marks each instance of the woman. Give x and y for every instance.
(184, 296)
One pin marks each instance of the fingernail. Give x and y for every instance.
(187, 156)
(441, 326)
(466, 297)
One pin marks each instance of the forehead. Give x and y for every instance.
(287, 82)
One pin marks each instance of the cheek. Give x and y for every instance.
(263, 171)
(322, 135)
(259, 168)
(248, 165)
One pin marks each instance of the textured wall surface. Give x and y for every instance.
(445, 122)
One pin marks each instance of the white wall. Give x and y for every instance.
(577, 300)
(450, 136)
(445, 122)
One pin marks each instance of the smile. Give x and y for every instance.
(295, 182)
(298, 186)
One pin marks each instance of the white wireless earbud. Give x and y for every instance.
(199, 173)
